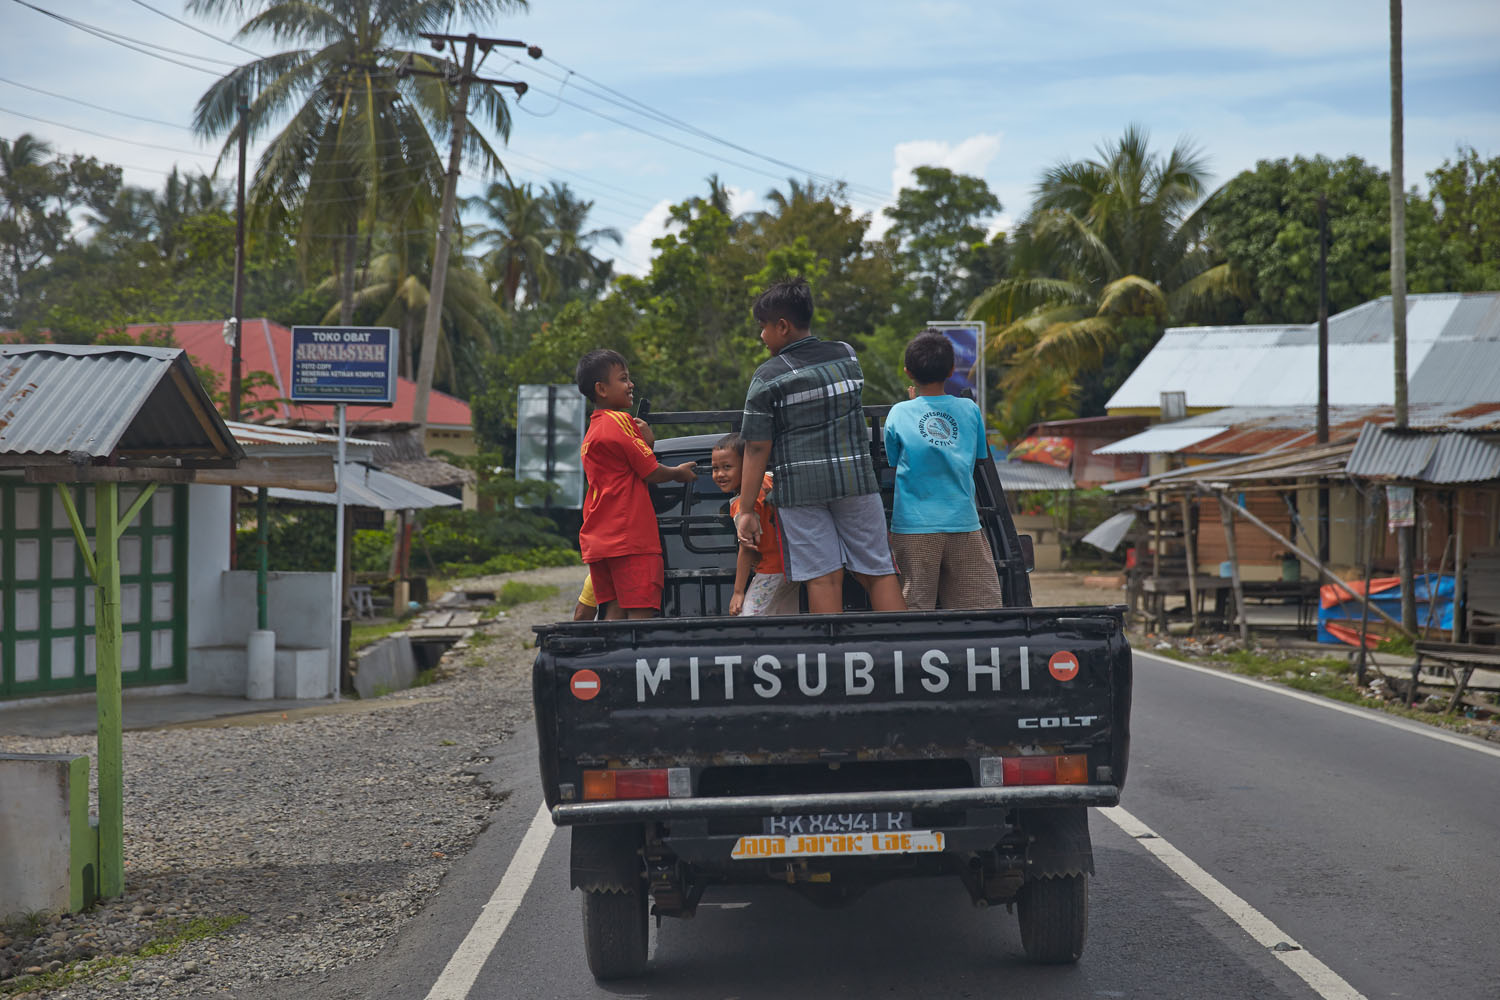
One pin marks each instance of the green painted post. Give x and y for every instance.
(263, 548)
(107, 642)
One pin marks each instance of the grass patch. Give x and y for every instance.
(361, 636)
(172, 936)
(516, 592)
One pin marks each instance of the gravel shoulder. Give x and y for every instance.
(257, 852)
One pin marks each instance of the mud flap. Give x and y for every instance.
(1057, 842)
(607, 858)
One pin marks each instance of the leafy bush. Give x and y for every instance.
(372, 550)
(512, 562)
(299, 539)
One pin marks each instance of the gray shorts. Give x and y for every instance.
(848, 533)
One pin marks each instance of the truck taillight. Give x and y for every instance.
(639, 783)
(1066, 769)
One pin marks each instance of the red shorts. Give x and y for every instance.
(634, 581)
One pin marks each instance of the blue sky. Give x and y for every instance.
(863, 91)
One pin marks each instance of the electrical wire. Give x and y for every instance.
(643, 108)
(193, 27)
(130, 43)
(96, 107)
(103, 135)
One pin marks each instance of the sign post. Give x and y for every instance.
(342, 365)
(967, 337)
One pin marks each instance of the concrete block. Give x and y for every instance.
(217, 670)
(48, 850)
(301, 673)
(1048, 556)
(260, 671)
(386, 665)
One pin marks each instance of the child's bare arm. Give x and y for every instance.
(744, 562)
(752, 473)
(683, 473)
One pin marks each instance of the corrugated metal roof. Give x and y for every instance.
(263, 439)
(1017, 476)
(64, 400)
(1453, 356)
(1164, 438)
(1447, 457)
(367, 487)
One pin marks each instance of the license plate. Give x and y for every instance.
(865, 822)
(823, 845)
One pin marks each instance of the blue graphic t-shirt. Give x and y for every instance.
(933, 443)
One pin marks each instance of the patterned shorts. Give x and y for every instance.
(772, 594)
(948, 570)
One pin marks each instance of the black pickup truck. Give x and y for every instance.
(827, 752)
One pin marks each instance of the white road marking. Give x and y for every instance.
(1324, 981)
(463, 968)
(1368, 714)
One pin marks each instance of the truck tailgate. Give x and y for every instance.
(710, 692)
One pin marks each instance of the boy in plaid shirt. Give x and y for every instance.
(804, 415)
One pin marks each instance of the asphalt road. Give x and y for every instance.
(1375, 846)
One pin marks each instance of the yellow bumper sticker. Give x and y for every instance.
(824, 845)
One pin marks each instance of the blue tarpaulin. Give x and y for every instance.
(1434, 599)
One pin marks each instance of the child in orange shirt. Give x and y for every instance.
(770, 592)
(619, 539)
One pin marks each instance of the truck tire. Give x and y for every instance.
(615, 932)
(1054, 917)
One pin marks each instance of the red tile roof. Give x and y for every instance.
(268, 347)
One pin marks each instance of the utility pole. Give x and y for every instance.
(432, 325)
(1405, 536)
(238, 309)
(1325, 544)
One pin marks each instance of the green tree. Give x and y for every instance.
(939, 224)
(518, 236)
(359, 143)
(1466, 198)
(38, 195)
(571, 259)
(1264, 223)
(1110, 248)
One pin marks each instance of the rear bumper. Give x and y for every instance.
(648, 810)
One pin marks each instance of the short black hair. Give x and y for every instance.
(595, 366)
(929, 357)
(730, 442)
(790, 300)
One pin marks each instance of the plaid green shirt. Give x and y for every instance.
(807, 401)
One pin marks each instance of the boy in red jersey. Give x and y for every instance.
(619, 540)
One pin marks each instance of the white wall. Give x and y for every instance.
(208, 558)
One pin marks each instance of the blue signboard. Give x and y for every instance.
(343, 364)
(968, 358)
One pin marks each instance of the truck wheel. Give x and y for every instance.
(1054, 916)
(614, 932)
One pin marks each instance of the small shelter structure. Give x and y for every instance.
(97, 417)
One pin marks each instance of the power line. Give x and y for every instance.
(102, 135)
(96, 107)
(658, 136)
(129, 43)
(194, 27)
(643, 108)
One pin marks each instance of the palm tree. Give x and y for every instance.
(519, 237)
(393, 286)
(1112, 244)
(572, 262)
(27, 177)
(358, 143)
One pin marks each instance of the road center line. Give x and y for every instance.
(1324, 981)
(1368, 714)
(462, 970)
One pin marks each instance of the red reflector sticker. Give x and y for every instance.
(585, 685)
(1063, 666)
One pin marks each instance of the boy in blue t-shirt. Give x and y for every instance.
(933, 441)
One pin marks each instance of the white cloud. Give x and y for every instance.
(969, 156)
(636, 251)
